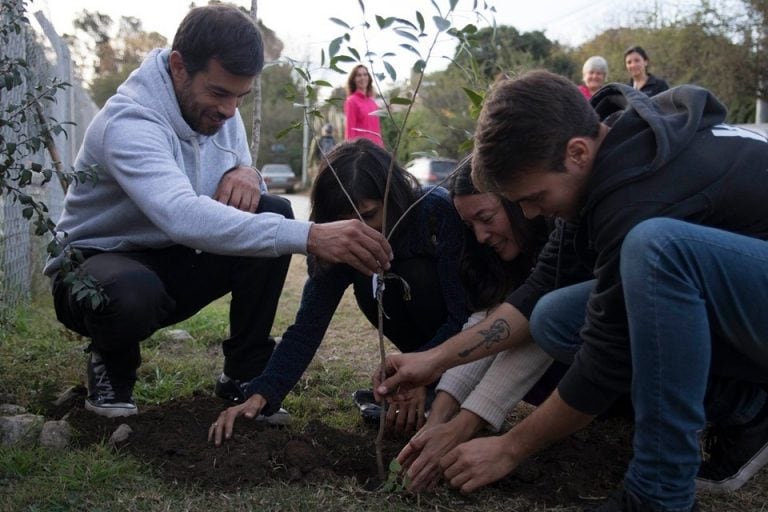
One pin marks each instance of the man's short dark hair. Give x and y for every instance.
(221, 32)
(525, 125)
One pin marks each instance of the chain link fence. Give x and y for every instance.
(22, 254)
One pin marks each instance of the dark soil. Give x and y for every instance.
(172, 438)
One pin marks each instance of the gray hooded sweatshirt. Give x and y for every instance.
(157, 178)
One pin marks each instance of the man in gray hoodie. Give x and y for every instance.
(179, 217)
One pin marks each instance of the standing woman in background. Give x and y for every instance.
(593, 74)
(359, 107)
(636, 62)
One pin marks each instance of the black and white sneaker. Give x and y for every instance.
(732, 455)
(106, 396)
(233, 391)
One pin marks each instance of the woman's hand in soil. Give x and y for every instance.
(478, 462)
(222, 428)
(421, 456)
(406, 416)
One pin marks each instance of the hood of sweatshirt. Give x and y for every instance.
(646, 133)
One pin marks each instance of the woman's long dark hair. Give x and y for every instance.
(362, 168)
(486, 278)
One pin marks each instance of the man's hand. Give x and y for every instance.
(407, 416)
(478, 462)
(421, 456)
(404, 372)
(240, 187)
(223, 427)
(350, 242)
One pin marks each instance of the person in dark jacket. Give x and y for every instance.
(670, 204)
(423, 301)
(636, 61)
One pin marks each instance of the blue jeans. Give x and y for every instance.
(690, 292)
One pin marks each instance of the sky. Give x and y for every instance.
(305, 28)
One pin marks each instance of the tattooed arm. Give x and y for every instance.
(503, 328)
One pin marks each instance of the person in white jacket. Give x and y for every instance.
(179, 217)
(480, 394)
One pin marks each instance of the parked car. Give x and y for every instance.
(431, 171)
(279, 177)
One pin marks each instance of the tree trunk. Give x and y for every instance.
(256, 132)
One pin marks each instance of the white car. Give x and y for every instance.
(279, 177)
(431, 171)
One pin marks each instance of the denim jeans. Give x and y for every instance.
(694, 297)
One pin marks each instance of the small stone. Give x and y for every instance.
(178, 335)
(22, 429)
(11, 410)
(55, 434)
(120, 435)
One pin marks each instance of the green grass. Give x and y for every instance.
(39, 358)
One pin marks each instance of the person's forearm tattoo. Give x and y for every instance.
(498, 332)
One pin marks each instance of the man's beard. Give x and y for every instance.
(193, 114)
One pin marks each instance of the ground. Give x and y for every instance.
(172, 439)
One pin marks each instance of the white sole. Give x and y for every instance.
(736, 481)
(112, 410)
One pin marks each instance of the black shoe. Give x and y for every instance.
(732, 455)
(626, 501)
(233, 391)
(369, 408)
(107, 395)
(230, 390)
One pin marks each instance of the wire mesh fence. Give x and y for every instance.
(22, 253)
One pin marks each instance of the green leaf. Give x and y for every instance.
(453, 4)
(340, 22)
(398, 100)
(475, 97)
(285, 131)
(419, 66)
(322, 83)
(404, 33)
(354, 53)
(384, 22)
(362, 5)
(390, 71)
(303, 74)
(411, 49)
(442, 24)
(406, 22)
(335, 46)
(420, 20)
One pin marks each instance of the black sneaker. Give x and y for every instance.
(370, 410)
(230, 390)
(626, 501)
(233, 391)
(106, 395)
(732, 455)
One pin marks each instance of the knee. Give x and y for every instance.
(275, 204)
(136, 306)
(650, 243)
(546, 331)
(649, 236)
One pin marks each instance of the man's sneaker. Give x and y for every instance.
(106, 396)
(233, 391)
(732, 455)
(626, 501)
(230, 390)
(370, 410)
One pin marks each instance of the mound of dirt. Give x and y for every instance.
(172, 438)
